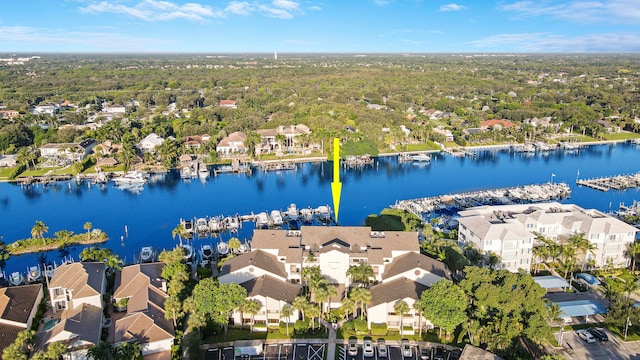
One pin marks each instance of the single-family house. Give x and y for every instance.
(230, 104)
(67, 152)
(46, 109)
(115, 109)
(196, 141)
(8, 114)
(18, 307)
(232, 144)
(150, 143)
(269, 141)
(448, 135)
(8, 160)
(146, 291)
(497, 123)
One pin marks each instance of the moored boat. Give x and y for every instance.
(188, 252)
(202, 226)
(34, 274)
(223, 248)
(187, 225)
(323, 213)
(306, 215)
(243, 248)
(146, 254)
(206, 253)
(276, 218)
(232, 223)
(132, 177)
(262, 220)
(292, 212)
(16, 278)
(203, 171)
(215, 224)
(48, 270)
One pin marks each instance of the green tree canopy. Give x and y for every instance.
(445, 305)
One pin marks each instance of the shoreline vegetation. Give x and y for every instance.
(61, 239)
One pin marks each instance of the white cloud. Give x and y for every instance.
(547, 42)
(315, 8)
(582, 11)
(58, 37)
(452, 7)
(412, 42)
(153, 10)
(382, 2)
(158, 10)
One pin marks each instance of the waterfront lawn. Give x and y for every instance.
(429, 145)
(5, 173)
(621, 136)
(33, 172)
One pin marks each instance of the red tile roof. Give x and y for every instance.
(492, 122)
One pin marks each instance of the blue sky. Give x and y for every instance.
(215, 26)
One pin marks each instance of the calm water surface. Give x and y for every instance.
(153, 213)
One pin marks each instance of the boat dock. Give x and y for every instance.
(235, 168)
(47, 179)
(617, 182)
(276, 166)
(512, 195)
(356, 161)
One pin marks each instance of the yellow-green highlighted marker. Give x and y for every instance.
(336, 185)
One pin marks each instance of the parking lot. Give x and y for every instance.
(272, 352)
(394, 353)
(576, 348)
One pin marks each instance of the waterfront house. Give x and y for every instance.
(509, 232)
(448, 135)
(394, 256)
(66, 153)
(8, 160)
(496, 123)
(18, 307)
(146, 291)
(150, 143)
(76, 291)
(195, 141)
(232, 144)
(268, 142)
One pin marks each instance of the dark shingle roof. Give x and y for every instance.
(271, 287)
(396, 290)
(17, 302)
(258, 258)
(412, 260)
(8, 335)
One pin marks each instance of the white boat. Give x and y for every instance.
(215, 224)
(262, 220)
(244, 247)
(34, 274)
(100, 178)
(187, 225)
(202, 225)
(223, 248)
(306, 215)
(323, 212)
(188, 253)
(276, 218)
(188, 172)
(16, 279)
(421, 158)
(203, 171)
(48, 270)
(292, 212)
(232, 223)
(132, 177)
(206, 252)
(146, 254)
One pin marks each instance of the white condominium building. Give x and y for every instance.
(509, 231)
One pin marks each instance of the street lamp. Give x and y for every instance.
(552, 176)
(626, 328)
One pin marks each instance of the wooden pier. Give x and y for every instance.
(234, 168)
(356, 161)
(47, 179)
(617, 182)
(277, 166)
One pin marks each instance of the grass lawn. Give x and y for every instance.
(384, 222)
(633, 333)
(621, 136)
(5, 172)
(430, 145)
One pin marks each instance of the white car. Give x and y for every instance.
(367, 348)
(586, 336)
(382, 348)
(406, 348)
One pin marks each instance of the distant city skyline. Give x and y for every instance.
(310, 26)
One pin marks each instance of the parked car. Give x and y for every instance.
(586, 336)
(352, 348)
(599, 334)
(425, 353)
(437, 353)
(367, 347)
(382, 348)
(406, 348)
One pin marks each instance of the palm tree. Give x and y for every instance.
(361, 273)
(180, 232)
(128, 351)
(88, 226)
(252, 307)
(493, 260)
(253, 139)
(234, 244)
(360, 296)
(554, 312)
(633, 251)
(417, 308)
(349, 305)
(312, 312)
(280, 139)
(285, 313)
(324, 293)
(38, 231)
(401, 308)
(100, 351)
(300, 303)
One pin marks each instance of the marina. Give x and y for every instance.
(153, 213)
(617, 182)
(512, 195)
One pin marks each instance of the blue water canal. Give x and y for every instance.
(151, 214)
